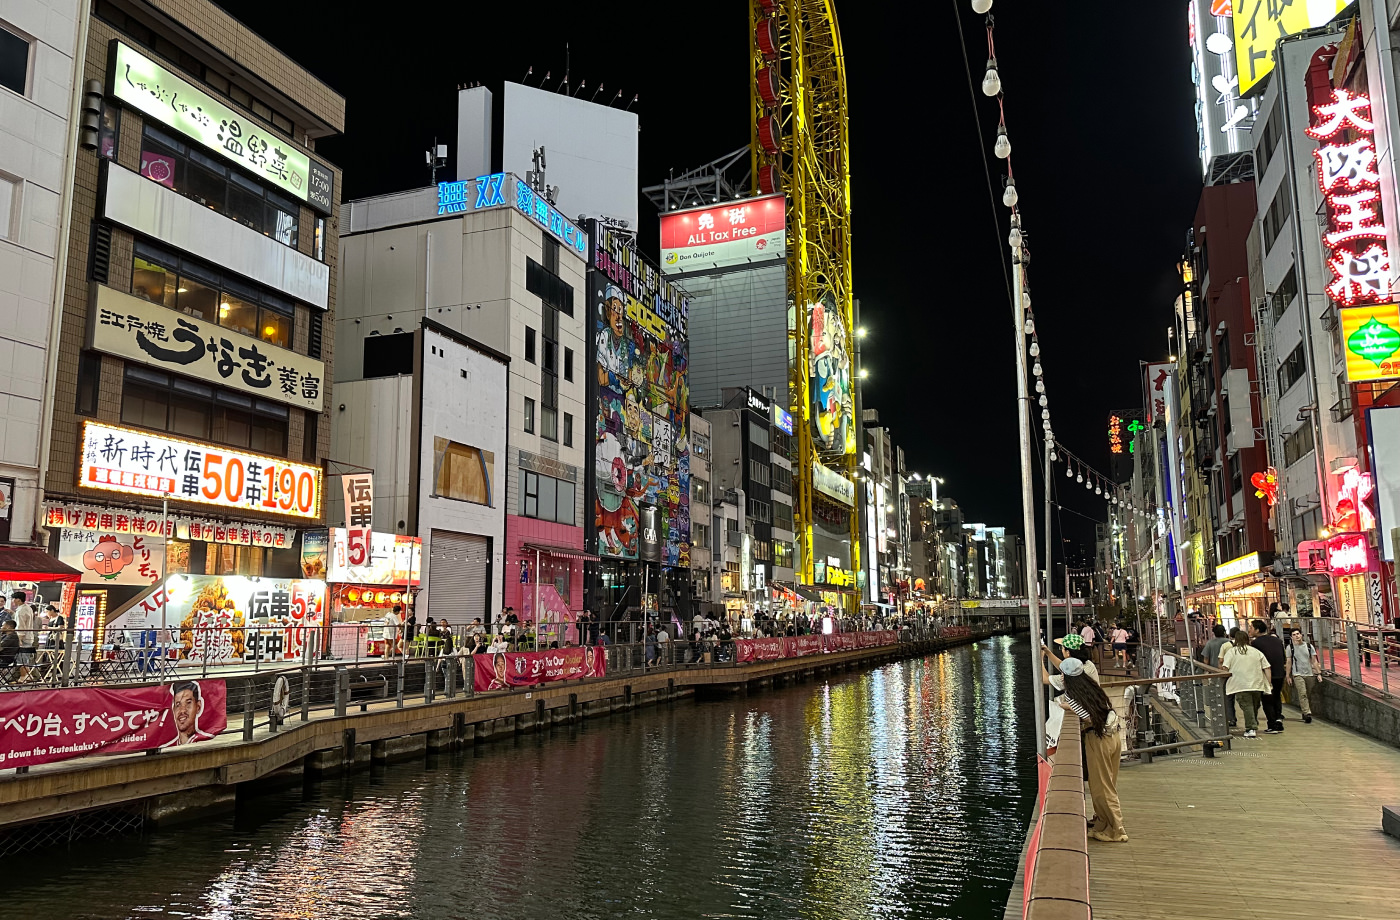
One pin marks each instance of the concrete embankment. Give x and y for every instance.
(141, 789)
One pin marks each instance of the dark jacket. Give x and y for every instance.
(1272, 648)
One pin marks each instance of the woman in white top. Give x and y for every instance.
(1249, 679)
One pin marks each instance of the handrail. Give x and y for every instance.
(1057, 864)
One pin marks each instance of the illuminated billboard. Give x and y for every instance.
(1223, 119)
(1371, 338)
(833, 413)
(641, 432)
(1259, 24)
(731, 233)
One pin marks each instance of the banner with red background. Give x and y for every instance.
(749, 650)
(525, 669)
(46, 726)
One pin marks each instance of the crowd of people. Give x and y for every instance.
(25, 628)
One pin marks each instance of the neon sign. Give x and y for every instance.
(1348, 554)
(1351, 514)
(1115, 434)
(1346, 174)
(500, 190)
(1266, 485)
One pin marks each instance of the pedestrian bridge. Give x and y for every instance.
(1283, 826)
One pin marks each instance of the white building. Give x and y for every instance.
(701, 507)
(39, 68)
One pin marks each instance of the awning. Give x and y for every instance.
(18, 563)
(559, 552)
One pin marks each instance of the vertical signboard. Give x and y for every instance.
(833, 409)
(641, 431)
(359, 516)
(1223, 119)
(1259, 24)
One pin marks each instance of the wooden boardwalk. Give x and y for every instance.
(1284, 827)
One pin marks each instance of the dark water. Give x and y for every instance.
(897, 793)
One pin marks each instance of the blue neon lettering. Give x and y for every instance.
(488, 190)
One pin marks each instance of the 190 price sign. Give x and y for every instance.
(116, 459)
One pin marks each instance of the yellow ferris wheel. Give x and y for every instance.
(800, 147)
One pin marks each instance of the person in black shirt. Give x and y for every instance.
(1272, 648)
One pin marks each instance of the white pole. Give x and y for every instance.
(538, 621)
(1049, 552)
(1027, 495)
(165, 579)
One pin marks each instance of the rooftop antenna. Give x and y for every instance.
(436, 156)
(526, 79)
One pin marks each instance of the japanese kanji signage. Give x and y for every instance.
(1160, 379)
(149, 333)
(734, 233)
(121, 521)
(145, 85)
(1371, 339)
(1259, 24)
(501, 190)
(395, 559)
(116, 459)
(1346, 173)
(113, 559)
(359, 516)
(46, 726)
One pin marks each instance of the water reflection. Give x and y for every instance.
(897, 793)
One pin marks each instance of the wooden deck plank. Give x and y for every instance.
(1284, 827)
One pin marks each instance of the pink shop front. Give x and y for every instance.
(544, 560)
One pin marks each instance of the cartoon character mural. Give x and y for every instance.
(108, 558)
(833, 399)
(641, 455)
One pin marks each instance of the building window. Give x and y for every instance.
(529, 415)
(1278, 213)
(462, 473)
(310, 437)
(529, 345)
(568, 364)
(699, 490)
(758, 472)
(758, 434)
(89, 382)
(545, 284)
(782, 443)
(760, 512)
(218, 187)
(550, 349)
(782, 515)
(700, 534)
(782, 555)
(568, 430)
(549, 423)
(388, 355)
(9, 205)
(178, 405)
(546, 498)
(217, 298)
(699, 444)
(14, 61)
(1285, 292)
(1292, 369)
(318, 243)
(1297, 445)
(782, 479)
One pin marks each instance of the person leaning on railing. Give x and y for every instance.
(1103, 747)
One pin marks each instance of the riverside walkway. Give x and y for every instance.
(1282, 827)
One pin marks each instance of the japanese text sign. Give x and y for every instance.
(1346, 174)
(113, 559)
(733, 233)
(1259, 24)
(1371, 339)
(46, 726)
(79, 516)
(1348, 554)
(149, 333)
(116, 459)
(359, 516)
(147, 86)
(394, 559)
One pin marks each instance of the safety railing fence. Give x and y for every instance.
(1174, 703)
(1363, 654)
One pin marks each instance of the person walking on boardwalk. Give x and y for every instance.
(1272, 647)
(1103, 747)
(1304, 670)
(1249, 679)
(1216, 646)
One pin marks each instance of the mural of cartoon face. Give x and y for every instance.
(109, 557)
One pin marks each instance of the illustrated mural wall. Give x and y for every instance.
(641, 433)
(829, 375)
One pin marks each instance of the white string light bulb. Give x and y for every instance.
(1002, 147)
(1035, 349)
(1069, 473)
(980, 7)
(1036, 369)
(991, 81)
(1030, 326)
(1010, 196)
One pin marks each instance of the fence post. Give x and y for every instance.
(1385, 670)
(429, 680)
(342, 690)
(1354, 654)
(248, 711)
(399, 696)
(451, 664)
(306, 693)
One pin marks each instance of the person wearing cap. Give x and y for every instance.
(1103, 746)
(1073, 645)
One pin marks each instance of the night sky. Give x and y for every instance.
(1099, 113)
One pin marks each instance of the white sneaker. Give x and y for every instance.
(1250, 734)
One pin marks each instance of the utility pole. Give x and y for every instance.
(1018, 316)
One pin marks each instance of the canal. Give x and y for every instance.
(900, 792)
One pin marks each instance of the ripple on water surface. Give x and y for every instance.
(897, 793)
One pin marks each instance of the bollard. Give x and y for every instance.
(342, 691)
(248, 711)
(399, 697)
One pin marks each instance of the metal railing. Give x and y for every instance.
(1173, 703)
(1364, 655)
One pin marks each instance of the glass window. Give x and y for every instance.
(162, 164)
(548, 494)
(238, 428)
(275, 329)
(245, 206)
(238, 315)
(549, 423)
(207, 188)
(565, 506)
(89, 381)
(568, 364)
(268, 435)
(153, 282)
(319, 243)
(529, 345)
(108, 132)
(14, 61)
(144, 406)
(282, 225)
(529, 494)
(568, 430)
(529, 415)
(197, 299)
